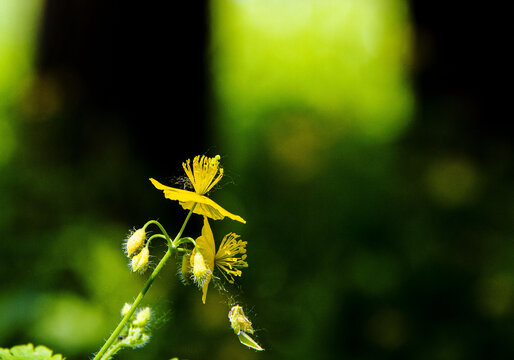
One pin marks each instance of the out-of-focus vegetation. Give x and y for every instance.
(380, 226)
(377, 242)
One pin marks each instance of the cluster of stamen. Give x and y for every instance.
(227, 258)
(205, 173)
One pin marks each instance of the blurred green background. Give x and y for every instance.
(363, 141)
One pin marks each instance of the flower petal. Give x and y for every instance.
(206, 287)
(205, 206)
(158, 185)
(205, 245)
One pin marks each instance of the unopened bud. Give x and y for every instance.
(199, 269)
(186, 270)
(125, 309)
(143, 317)
(135, 242)
(140, 261)
(136, 337)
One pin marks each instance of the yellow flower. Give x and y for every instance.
(204, 174)
(204, 258)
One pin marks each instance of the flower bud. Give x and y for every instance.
(136, 337)
(135, 242)
(143, 317)
(125, 309)
(199, 269)
(140, 261)
(186, 270)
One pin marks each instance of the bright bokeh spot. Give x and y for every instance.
(18, 22)
(68, 322)
(343, 62)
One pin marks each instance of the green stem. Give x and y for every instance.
(112, 350)
(139, 297)
(147, 285)
(184, 240)
(175, 241)
(157, 236)
(168, 239)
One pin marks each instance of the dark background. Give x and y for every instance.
(362, 263)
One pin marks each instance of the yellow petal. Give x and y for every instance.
(158, 185)
(205, 206)
(206, 287)
(205, 245)
(209, 208)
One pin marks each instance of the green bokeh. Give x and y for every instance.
(362, 244)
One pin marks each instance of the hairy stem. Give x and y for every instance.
(166, 236)
(112, 351)
(171, 250)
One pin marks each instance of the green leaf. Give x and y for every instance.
(27, 352)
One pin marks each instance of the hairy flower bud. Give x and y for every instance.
(200, 270)
(140, 261)
(135, 242)
(143, 317)
(136, 337)
(125, 309)
(186, 270)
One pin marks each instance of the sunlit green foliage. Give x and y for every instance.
(371, 243)
(27, 352)
(342, 62)
(18, 21)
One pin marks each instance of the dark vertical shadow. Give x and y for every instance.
(132, 83)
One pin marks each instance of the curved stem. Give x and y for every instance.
(157, 236)
(155, 222)
(184, 240)
(139, 298)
